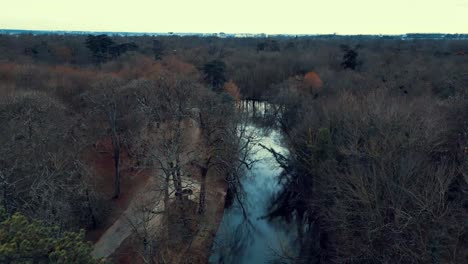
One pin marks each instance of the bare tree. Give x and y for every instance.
(365, 170)
(169, 136)
(41, 173)
(146, 219)
(115, 115)
(213, 118)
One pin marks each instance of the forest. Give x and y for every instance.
(134, 149)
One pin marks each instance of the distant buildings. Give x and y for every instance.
(408, 36)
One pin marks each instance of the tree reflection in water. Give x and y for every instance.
(245, 236)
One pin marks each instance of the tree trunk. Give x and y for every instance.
(90, 210)
(202, 200)
(178, 175)
(5, 198)
(177, 183)
(166, 193)
(300, 230)
(117, 173)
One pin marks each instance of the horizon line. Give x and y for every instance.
(228, 33)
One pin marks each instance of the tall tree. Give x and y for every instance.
(215, 74)
(99, 46)
(224, 146)
(349, 58)
(158, 49)
(114, 114)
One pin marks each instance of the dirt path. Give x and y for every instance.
(131, 219)
(123, 227)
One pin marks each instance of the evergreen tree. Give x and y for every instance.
(100, 46)
(215, 74)
(30, 241)
(349, 58)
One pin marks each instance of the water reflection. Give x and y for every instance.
(249, 237)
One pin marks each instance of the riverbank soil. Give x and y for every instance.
(199, 250)
(188, 250)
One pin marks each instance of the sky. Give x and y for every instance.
(239, 16)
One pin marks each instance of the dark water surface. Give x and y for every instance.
(254, 239)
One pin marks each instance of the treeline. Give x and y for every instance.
(377, 171)
(255, 65)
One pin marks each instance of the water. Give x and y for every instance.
(253, 239)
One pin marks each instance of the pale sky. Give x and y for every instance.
(239, 16)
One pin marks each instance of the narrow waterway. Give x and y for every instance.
(250, 238)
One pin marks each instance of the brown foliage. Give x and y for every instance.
(232, 89)
(312, 82)
(62, 53)
(177, 66)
